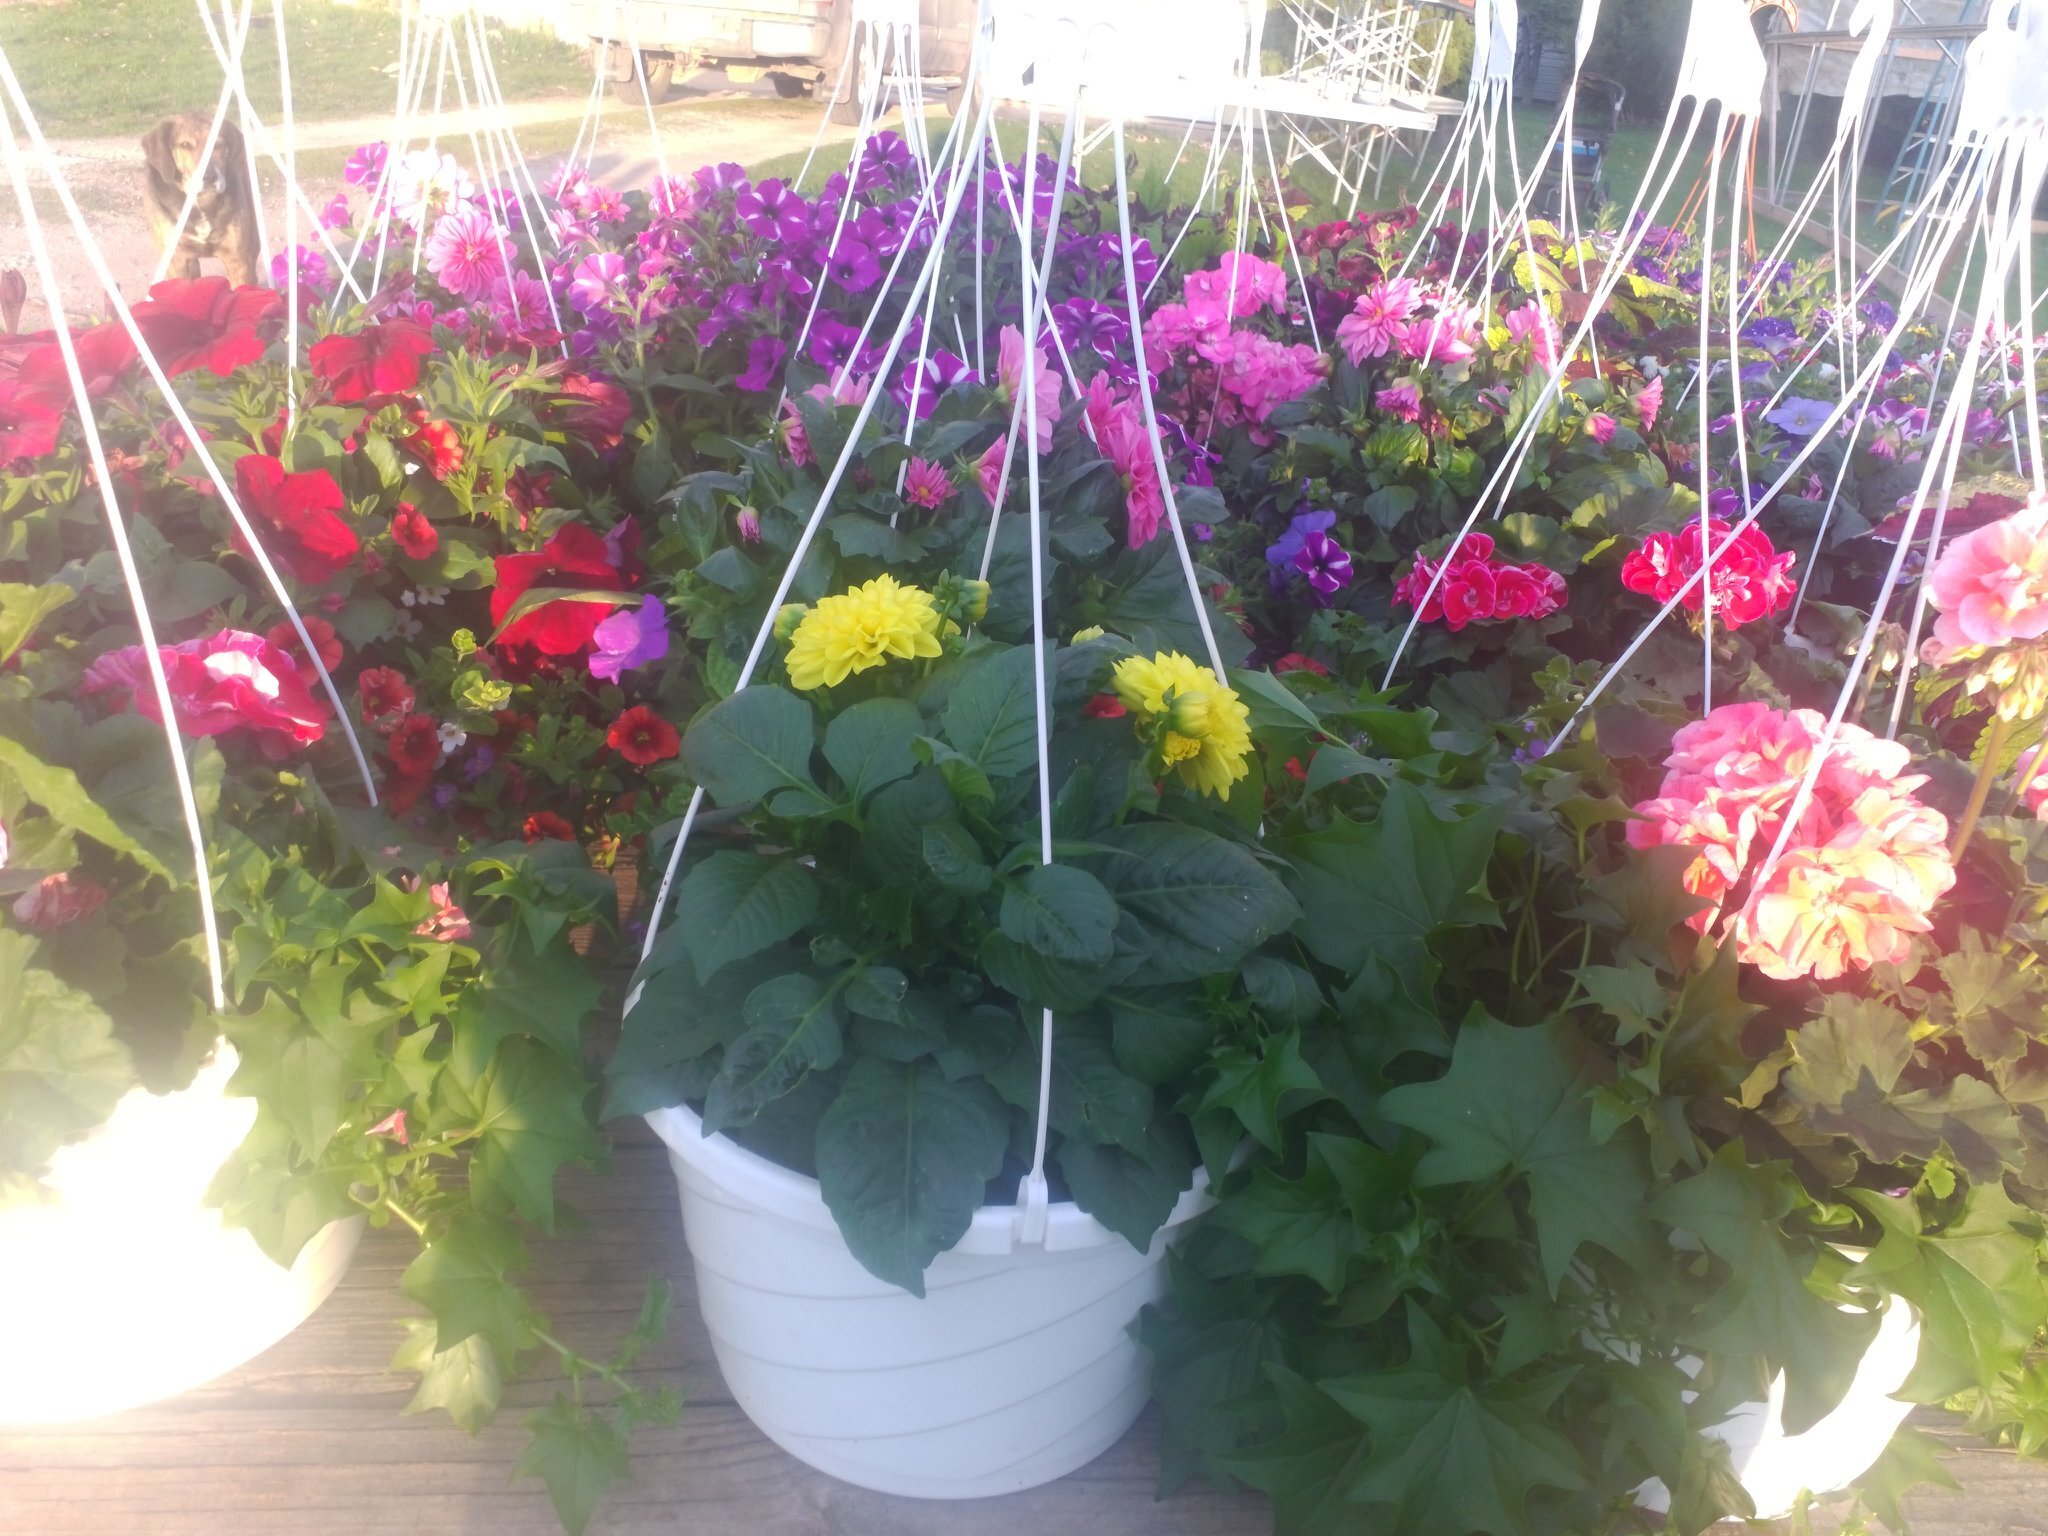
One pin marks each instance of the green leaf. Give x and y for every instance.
(1160, 1034)
(22, 608)
(1093, 1099)
(1282, 991)
(533, 1119)
(579, 1454)
(58, 791)
(748, 746)
(1977, 1284)
(1317, 1224)
(61, 1068)
(1515, 1101)
(466, 1381)
(1844, 1081)
(1201, 903)
(1061, 912)
(954, 858)
(992, 718)
(1382, 888)
(904, 1160)
(733, 905)
(1734, 1207)
(545, 996)
(1130, 1191)
(1272, 704)
(1309, 1471)
(1448, 1457)
(463, 1278)
(873, 743)
(794, 1027)
(1254, 1088)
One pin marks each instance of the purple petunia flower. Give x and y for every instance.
(365, 165)
(764, 357)
(1325, 563)
(853, 266)
(1799, 416)
(725, 177)
(629, 638)
(1092, 326)
(1774, 335)
(599, 280)
(1282, 551)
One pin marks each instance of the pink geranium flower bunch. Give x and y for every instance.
(1479, 587)
(1863, 865)
(1752, 579)
(1990, 590)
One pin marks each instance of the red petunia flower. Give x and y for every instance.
(1294, 661)
(312, 542)
(104, 354)
(575, 559)
(413, 532)
(205, 322)
(378, 360)
(28, 425)
(386, 696)
(58, 900)
(642, 737)
(415, 746)
(325, 640)
(542, 825)
(436, 444)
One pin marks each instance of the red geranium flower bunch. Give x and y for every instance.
(1751, 579)
(1478, 587)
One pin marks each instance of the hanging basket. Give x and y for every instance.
(125, 1287)
(1016, 1367)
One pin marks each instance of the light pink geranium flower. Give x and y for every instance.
(1248, 283)
(1119, 428)
(1991, 585)
(466, 252)
(1045, 383)
(1863, 866)
(1374, 326)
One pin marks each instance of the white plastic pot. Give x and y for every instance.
(1016, 1367)
(1776, 1467)
(126, 1288)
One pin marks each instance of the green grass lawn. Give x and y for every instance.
(114, 67)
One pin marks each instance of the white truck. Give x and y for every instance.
(799, 45)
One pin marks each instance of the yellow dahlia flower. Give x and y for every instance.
(862, 628)
(1201, 727)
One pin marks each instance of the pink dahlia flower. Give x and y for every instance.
(466, 252)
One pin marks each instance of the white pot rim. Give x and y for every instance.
(797, 1198)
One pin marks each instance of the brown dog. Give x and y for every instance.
(223, 219)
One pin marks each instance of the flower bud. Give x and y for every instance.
(787, 617)
(749, 521)
(1092, 632)
(1190, 714)
(974, 601)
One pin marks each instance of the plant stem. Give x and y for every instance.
(1994, 743)
(419, 1227)
(580, 1363)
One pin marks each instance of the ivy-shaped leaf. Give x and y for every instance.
(466, 1382)
(578, 1453)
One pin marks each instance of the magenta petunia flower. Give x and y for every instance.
(629, 638)
(365, 164)
(598, 282)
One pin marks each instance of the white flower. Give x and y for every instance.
(424, 597)
(421, 178)
(452, 737)
(406, 627)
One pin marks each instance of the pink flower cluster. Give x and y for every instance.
(1385, 319)
(1045, 380)
(229, 681)
(796, 438)
(1118, 424)
(1478, 587)
(1751, 579)
(1991, 586)
(1863, 865)
(1254, 373)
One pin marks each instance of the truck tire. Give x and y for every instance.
(956, 99)
(661, 75)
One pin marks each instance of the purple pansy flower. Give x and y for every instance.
(630, 638)
(1281, 551)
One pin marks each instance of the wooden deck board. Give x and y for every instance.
(308, 1439)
